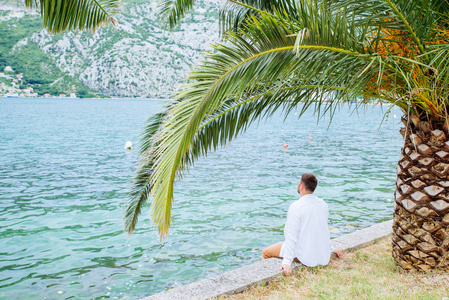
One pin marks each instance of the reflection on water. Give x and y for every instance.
(64, 176)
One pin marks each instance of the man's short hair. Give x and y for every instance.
(309, 181)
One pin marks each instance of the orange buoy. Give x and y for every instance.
(309, 138)
(285, 145)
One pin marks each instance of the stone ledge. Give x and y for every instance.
(240, 279)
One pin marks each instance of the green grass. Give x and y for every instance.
(368, 273)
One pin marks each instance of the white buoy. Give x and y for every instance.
(128, 145)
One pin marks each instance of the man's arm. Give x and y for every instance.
(291, 233)
(337, 252)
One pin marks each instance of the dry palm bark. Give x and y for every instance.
(421, 215)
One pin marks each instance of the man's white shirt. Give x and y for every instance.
(307, 233)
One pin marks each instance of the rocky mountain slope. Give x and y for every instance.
(137, 59)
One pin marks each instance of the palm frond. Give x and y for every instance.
(61, 15)
(141, 185)
(234, 14)
(259, 62)
(172, 11)
(328, 53)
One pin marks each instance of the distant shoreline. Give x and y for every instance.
(78, 98)
(138, 98)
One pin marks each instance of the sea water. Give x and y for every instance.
(64, 176)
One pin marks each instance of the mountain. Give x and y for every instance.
(137, 59)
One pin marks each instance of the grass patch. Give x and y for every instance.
(369, 273)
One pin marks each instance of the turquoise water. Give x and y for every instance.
(64, 176)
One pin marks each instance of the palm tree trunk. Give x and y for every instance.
(421, 214)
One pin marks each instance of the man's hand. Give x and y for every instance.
(287, 269)
(338, 252)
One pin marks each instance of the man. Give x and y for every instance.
(306, 231)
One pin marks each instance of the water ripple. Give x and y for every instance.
(65, 175)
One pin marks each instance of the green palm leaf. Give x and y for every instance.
(269, 66)
(172, 11)
(61, 15)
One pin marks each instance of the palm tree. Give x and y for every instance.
(277, 55)
(63, 15)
